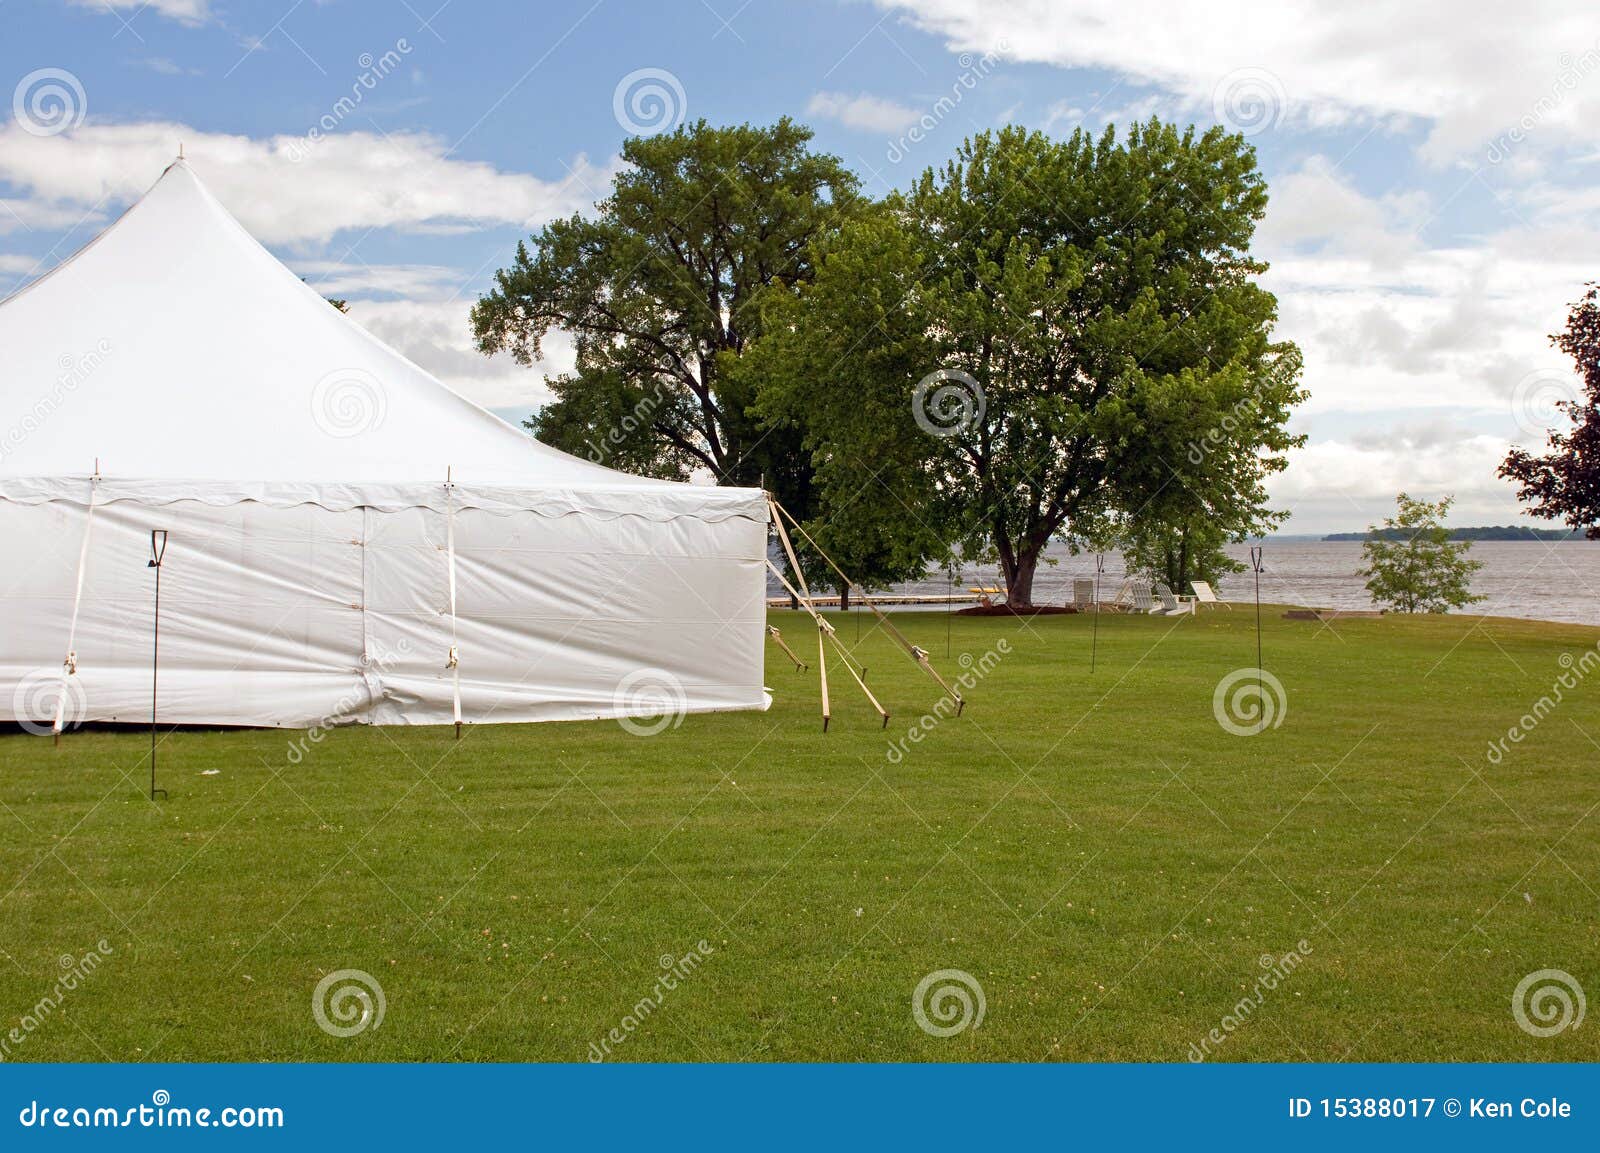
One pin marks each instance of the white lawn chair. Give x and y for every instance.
(1083, 595)
(1204, 595)
(1172, 605)
(1143, 602)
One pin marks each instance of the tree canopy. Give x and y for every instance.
(655, 289)
(1043, 337)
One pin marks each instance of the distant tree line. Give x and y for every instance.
(1486, 532)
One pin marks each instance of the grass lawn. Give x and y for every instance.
(1107, 862)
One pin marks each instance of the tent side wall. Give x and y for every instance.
(298, 615)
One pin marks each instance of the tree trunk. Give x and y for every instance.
(1019, 576)
(844, 598)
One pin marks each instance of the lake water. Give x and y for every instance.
(1539, 580)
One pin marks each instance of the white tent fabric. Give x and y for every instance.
(173, 375)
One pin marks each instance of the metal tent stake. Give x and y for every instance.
(1094, 640)
(158, 548)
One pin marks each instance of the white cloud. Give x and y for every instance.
(184, 11)
(1340, 485)
(405, 281)
(868, 113)
(437, 334)
(346, 181)
(1470, 69)
(1316, 203)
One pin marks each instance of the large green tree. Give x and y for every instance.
(656, 288)
(1045, 330)
(876, 512)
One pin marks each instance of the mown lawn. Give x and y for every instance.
(1106, 861)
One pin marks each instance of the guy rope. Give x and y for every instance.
(915, 652)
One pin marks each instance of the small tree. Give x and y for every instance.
(1412, 564)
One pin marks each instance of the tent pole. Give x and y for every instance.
(158, 548)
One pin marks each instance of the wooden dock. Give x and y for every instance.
(832, 602)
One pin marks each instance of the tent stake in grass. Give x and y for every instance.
(1094, 641)
(158, 549)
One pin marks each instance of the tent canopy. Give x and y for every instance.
(185, 351)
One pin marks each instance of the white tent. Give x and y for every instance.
(319, 567)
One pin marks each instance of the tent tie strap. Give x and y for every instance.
(70, 664)
(454, 660)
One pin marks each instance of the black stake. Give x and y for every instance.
(1094, 642)
(949, 605)
(158, 547)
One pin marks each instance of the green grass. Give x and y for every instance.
(1096, 850)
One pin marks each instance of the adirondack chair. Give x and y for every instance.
(1172, 604)
(1204, 595)
(1143, 602)
(1083, 595)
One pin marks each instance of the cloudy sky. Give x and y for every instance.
(1433, 166)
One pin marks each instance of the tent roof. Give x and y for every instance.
(174, 347)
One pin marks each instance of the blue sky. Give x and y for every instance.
(1432, 168)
